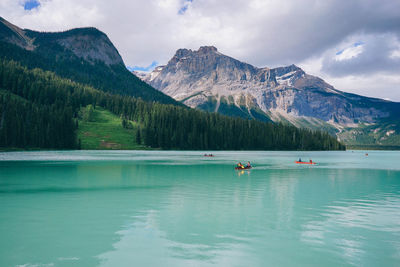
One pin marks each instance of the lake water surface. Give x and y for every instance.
(169, 208)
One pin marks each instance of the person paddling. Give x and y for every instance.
(248, 165)
(240, 165)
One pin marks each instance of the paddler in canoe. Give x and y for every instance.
(240, 166)
(305, 162)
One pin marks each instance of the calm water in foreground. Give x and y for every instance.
(157, 208)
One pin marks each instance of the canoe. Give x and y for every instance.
(245, 168)
(304, 162)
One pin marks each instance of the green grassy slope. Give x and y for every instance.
(104, 131)
(382, 135)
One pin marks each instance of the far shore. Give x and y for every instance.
(348, 148)
(371, 147)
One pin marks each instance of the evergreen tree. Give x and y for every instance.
(138, 137)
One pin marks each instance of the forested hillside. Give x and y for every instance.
(39, 109)
(51, 56)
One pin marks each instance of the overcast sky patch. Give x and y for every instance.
(373, 56)
(264, 33)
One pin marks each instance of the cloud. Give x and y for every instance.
(376, 54)
(261, 32)
(374, 85)
(350, 52)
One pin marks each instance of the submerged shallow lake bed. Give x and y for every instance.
(179, 208)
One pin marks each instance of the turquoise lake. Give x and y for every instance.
(175, 208)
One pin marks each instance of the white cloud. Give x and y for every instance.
(260, 32)
(363, 64)
(349, 52)
(395, 53)
(374, 54)
(377, 85)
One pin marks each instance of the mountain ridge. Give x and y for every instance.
(88, 43)
(209, 80)
(85, 55)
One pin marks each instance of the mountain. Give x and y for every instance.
(39, 109)
(85, 55)
(208, 80)
(89, 44)
(71, 90)
(14, 35)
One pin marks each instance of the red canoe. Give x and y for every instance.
(304, 162)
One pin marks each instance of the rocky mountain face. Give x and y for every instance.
(15, 35)
(89, 44)
(209, 80)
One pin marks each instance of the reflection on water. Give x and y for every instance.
(143, 235)
(144, 210)
(243, 172)
(349, 228)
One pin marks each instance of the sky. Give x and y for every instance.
(353, 45)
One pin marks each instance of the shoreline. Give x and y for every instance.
(372, 147)
(350, 148)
